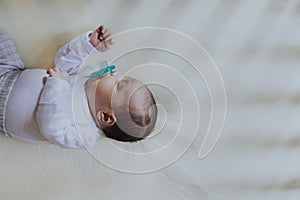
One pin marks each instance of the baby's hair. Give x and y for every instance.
(143, 114)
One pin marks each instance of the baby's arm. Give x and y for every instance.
(51, 117)
(71, 56)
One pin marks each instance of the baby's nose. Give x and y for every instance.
(111, 73)
(115, 73)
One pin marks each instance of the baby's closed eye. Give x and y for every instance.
(121, 84)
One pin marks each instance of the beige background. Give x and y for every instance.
(256, 45)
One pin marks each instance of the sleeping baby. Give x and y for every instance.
(37, 105)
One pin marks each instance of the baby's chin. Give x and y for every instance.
(91, 84)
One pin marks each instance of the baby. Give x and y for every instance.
(36, 104)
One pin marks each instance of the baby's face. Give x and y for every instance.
(115, 89)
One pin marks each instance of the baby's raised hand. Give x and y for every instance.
(58, 73)
(100, 39)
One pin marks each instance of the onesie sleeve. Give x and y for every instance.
(52, 117)
(71, 56)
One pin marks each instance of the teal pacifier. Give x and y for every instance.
(104, 68)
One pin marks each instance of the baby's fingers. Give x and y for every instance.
(100, 30)
(50, 72)
(106, 37)
(54, 70)
(109, 41)
(94, 38)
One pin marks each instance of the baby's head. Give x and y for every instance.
(123, 107)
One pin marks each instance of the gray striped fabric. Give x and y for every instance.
(11, 66)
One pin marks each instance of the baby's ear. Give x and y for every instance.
(106, 118)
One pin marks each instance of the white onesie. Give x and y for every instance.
(39, 112)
